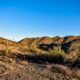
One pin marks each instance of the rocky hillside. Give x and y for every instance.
(43, 58)
(68, 44)
(68, 47)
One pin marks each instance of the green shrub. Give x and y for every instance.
(56, 52)
(7, 50)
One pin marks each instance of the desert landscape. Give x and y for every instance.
(41, 58)
(39, 39)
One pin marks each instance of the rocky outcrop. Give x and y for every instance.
(52, 46)
(72, 49)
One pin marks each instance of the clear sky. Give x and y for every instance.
(35, 18)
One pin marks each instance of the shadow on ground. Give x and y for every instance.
(46, 59)
(41, 59)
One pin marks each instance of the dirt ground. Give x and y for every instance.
(11, 69)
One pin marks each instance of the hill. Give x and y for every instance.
(44, 58)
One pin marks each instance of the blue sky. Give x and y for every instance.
(36, 18)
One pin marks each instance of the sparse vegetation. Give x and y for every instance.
(56, 52)
(47, 64)
(7, 50)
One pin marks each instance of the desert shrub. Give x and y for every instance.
(56, 52)
(7, 50)
(23, 49)
(33, 49)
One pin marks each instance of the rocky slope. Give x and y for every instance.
(70, 45)
(45, 58)
(16, 68)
